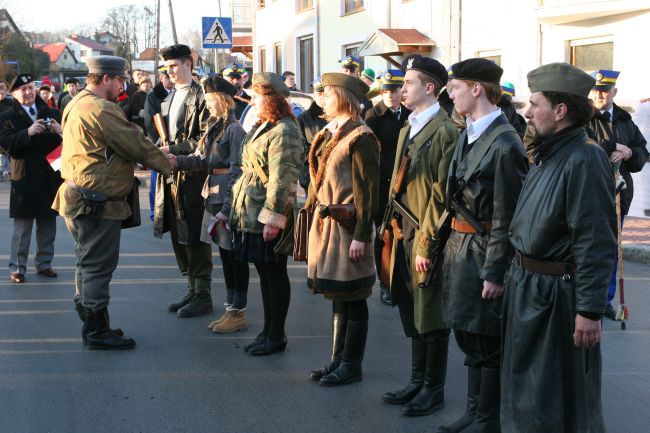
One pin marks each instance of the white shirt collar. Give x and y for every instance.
(27, 107)
(476, 128)
(418, 120)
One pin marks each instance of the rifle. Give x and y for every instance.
(161, 128)
(389, 223)
(454, 201)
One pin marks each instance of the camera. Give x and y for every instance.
(47, 122)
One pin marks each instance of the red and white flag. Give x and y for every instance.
(54, 158)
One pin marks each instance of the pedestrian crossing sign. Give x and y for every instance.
(217, 32)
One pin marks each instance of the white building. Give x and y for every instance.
(83, 47)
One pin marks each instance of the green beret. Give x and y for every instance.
(560, 77)
(353, 84)
(273, 80)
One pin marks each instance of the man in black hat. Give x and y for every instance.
(233, 73)
(29, 131)
(72, 88)
(487, 173)
(179, 204)
(386, 119)
(428, 140)
(564, 232)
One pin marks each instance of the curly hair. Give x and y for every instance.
(277, 106)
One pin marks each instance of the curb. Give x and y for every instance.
(637, 253)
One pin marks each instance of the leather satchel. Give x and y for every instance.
(301, 235)
(133, 200)
(344, 214)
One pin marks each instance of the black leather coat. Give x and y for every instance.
(33, 181)
(310, 123)
(565, 214)
(625, 132)
(490, 195)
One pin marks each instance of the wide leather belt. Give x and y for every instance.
(73, 185)
(564, 270)
(216, 171)
(462, 226)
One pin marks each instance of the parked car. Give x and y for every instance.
(299, 102)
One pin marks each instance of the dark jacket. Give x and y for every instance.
(366, 104)
(565, 214)
(383, 123)
(516, 120)
(625, 132)
(190, 128)
(33, 181)
(491, 195)
(152, 107)
(310, 123)
(136, 104)
(6, 104)
(241, 102)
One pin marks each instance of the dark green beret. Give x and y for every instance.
(175, 52)
(476, 69)
(273, 80)
(353, 84)
(111, 65)
(560, 77)
(216, 84)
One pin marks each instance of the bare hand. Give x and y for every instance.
(165, 149)
(270, 232)
(491, 290)
(422, 264)
(55, 127)
(173, 162)
(616, 156)
(357, 249)
(221, 218)
(587, 332)
(37, 127)
(627, 152)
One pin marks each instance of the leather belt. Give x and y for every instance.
(73, 185)
(462, 226)
(216, 171)
(561, 269)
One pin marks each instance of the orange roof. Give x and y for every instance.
(53, 50)
(242, 41)
(407, 36)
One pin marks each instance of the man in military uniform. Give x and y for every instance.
(350, 66)
(179, 205)
(613, 129)
(99, 151)
(564, 233)
(386, 119)
(428, 140)
(233, 73)
(487, 173)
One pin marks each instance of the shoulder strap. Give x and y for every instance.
(489, 139)
(258, 168)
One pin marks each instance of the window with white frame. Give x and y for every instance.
(590, 54)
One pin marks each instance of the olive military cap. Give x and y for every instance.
(353, 84)
(560, 77)
(111, 65)
(273, 80)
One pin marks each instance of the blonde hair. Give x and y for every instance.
(223, 102)
(346, 101)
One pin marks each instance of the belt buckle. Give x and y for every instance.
(566, 277)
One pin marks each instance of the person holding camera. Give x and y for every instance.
(29, 131)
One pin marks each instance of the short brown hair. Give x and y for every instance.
(277, 108)
(426, 79)
(492, 90)
(346, 101)
(96, 79)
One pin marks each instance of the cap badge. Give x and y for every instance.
(409, 65)
(387, 76)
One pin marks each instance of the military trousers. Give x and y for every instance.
(97, 247)
(195, 261)
(22, 237)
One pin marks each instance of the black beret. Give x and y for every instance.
(477, 69)
(176, 52)
(353, 84)
(20, 80)
(216, 84)
(426, 65)
(71, 81)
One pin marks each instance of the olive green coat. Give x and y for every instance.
(431, 153)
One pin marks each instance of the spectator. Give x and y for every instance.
(135, 110)
(72, 87)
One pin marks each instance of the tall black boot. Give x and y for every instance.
(418, 359)
(339, 328)
(473, 393)
(82, 316)
(100, 336)
(487, 419)
(349, 370)
(432, 395)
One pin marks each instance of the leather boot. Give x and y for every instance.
(82, 316)
(418, 359)
(199, 304)
(339, 328)
(173, 308)
(384, 293)
(432, 395)
(99, 334)
(349, 370)
(473, 392)
(487, 419)
(234, 320)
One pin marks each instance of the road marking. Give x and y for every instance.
(29, 312)
(122, 282)
(40, 340)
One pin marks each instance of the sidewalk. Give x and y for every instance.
(636, 239)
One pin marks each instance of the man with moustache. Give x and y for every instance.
(233, 73)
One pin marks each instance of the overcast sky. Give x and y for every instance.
(56, 15)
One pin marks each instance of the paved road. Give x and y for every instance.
(183, 378)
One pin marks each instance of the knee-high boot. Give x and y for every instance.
(413, 387)
(487, 419)
(349, 370)
(473, 393)
(339, 328)
(432, 395)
